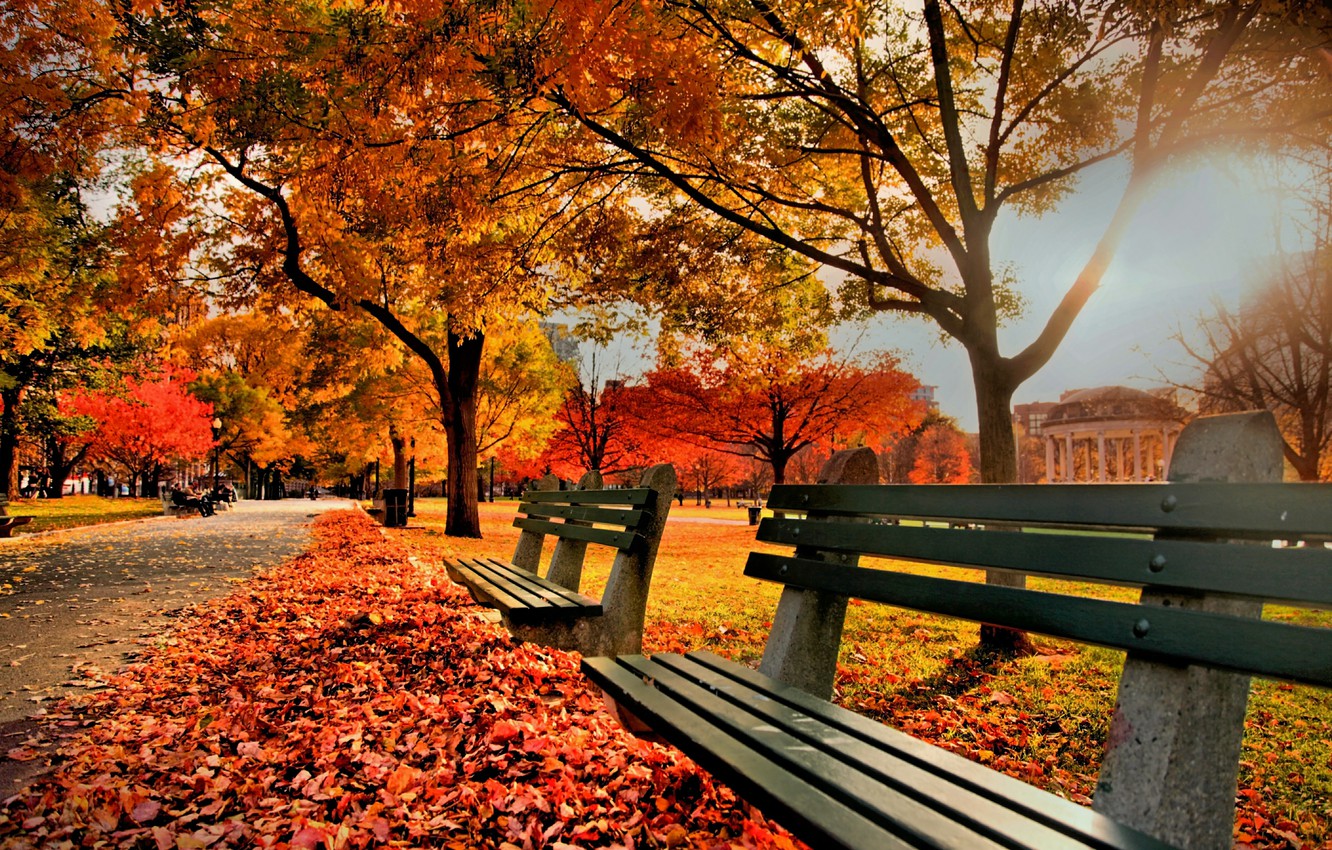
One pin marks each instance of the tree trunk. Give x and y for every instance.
(462, 518)
(61, 466)
(994, 410)
(998, 465)
(9, 434)
(399, 444)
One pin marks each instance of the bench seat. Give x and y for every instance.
(834, 777)
(523, 597)
(9, 523)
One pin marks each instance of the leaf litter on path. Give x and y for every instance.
(353, 699)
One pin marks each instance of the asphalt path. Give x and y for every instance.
(79, 600)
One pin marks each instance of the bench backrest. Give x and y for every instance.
(608, 517)
(1208, 550)
(1179, 538)
(629, 520)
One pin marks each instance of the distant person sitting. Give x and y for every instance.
(186, 498)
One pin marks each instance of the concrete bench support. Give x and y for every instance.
(1171, 764)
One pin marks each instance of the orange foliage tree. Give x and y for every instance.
(63, 315)
(941, 456)
(372, 168)
(765, 402)
(885, 141)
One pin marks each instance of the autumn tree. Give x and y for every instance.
(154, 423)
(883, 143)
(598, 425)
(69, 314)
(375, 169)
(771, 403)
(941, 456)
(702, 469)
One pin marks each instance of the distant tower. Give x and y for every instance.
(925, 394)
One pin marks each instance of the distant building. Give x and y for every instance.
(562, 342)
(1030, 416)
(925, 394)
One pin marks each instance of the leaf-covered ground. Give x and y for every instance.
(351, 699)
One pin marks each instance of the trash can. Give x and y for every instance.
(754, 512)
(395, 507)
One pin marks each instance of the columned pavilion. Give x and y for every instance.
(1110, 434)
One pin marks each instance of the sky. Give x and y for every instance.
(1201, 234)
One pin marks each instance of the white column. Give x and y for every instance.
(1119, 457)
(1167, 449)
(1137, 455)
(1068, 457)
(1100, 456)
(1049, 460)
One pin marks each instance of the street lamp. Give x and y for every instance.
(217, 447)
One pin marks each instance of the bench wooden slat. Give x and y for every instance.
(636, 496)
(480, 584)
(558, 595)
(997, 806)
(1271, 511)
(1288, 574)
(527, 587)
(605, 537)
(902, 794)
(753, 776)
(524, 597)
(1243, 645)
(624, 517)
(1059, 814)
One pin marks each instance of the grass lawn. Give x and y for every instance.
(72, 511)
(1042, 718)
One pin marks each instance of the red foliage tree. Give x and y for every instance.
(599, 429)
(770, 404)
(142, 431)
(941, 456)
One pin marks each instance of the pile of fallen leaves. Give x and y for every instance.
(352, 698)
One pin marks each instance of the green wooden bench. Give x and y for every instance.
(549, 609)
(1203, 553)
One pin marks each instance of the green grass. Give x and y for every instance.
(1043, 718)
(74, 511)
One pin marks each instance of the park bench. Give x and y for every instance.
(549, 609)
(9, 523)
(1207, 550)
(170, 508)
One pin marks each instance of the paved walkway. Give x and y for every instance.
(83, 598)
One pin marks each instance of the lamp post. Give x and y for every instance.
(217, 447)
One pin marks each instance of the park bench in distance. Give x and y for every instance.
(549, 610)
(9, 523)
(1203, 555)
